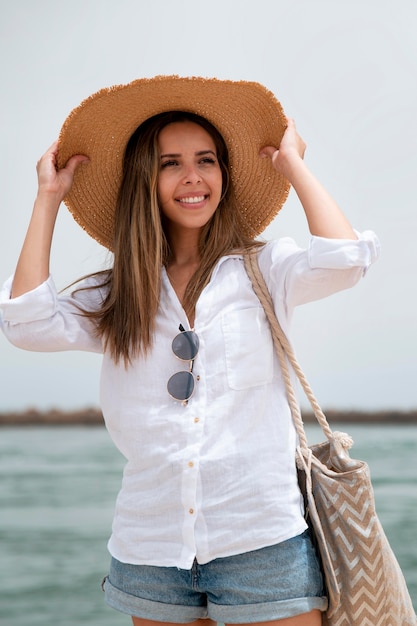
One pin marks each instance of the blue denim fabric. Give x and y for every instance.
(271, 583)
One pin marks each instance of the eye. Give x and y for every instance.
(171, 163)
(208, 161)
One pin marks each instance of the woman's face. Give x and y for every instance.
(190, 178)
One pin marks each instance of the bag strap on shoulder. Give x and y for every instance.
(285, 354)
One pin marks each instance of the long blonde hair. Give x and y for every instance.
(126, 319)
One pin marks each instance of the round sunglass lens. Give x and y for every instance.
(181, 385)
(185, 345)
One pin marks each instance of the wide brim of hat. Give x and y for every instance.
(247, 115)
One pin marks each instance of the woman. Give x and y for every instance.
(178, 177)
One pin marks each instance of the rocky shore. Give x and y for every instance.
(93, 417)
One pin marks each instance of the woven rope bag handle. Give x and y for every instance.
(285, 353)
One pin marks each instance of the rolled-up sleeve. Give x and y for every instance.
(41, 320)
(297, 276)
(38, 304)
(344, 253)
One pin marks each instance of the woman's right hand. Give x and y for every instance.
(53, 182)
(53, 185)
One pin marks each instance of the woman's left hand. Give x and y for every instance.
(290, 150)
(325, 219)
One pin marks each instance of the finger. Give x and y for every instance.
(76, 160)
(53, 147)
(267, 151)
(51, 152)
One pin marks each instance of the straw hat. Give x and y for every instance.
(247, 115)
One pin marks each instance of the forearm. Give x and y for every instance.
(324, 217)
(33, 265)
(53, 185)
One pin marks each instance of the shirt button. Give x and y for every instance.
(198, 377)
(190, 464)
(191, 511)
(196, 420)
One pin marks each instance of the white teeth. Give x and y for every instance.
(193, 200)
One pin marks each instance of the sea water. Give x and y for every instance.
(57, 491)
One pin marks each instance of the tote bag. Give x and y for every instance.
(364, 582)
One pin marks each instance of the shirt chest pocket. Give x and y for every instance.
(248, 347)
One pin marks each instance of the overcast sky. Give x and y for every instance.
(346, 71)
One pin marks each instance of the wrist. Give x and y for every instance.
(293, 168)
(48, 198)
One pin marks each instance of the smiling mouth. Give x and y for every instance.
(192, 199)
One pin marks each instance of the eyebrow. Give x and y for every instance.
(200, 153)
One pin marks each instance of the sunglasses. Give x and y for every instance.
(185, 347)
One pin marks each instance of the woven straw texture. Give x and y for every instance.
(365, 585)
(247, 115)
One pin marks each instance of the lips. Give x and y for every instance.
(192, 199)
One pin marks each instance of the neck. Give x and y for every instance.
(184, 248)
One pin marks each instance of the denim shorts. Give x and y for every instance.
(275, 582)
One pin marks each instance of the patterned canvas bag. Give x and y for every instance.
(365, 585)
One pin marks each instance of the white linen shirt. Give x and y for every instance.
(216, 477)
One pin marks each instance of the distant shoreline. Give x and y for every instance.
(94, 417)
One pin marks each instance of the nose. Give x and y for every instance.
(192, 176)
